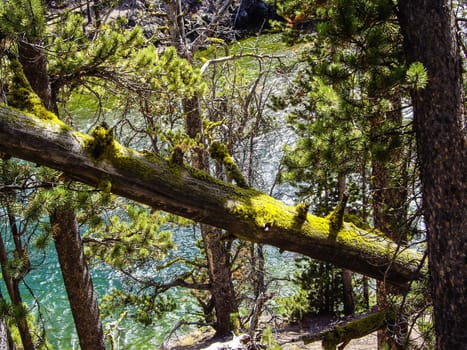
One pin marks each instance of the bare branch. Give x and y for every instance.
(236, 57)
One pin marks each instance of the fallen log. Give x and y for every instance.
(177, 188)
(338, 336)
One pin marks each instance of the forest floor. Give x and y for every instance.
(288, 336)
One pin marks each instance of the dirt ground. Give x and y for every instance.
(287, 336)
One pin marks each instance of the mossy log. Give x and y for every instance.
(179, 189)
(354, 329)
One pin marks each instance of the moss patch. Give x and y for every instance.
(102, 142)
(268, 214)
(22, 96)
(355, 329)
(220, 153)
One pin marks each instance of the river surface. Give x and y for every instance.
(47, 284)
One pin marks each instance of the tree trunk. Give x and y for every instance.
(12, 282)
(181, 190)
(222, 290)
(15, 297)
(34, 62)
(353, 329)
(71, 256)
(77, 279)
(429, 31)
(258, 270)
(389, 209)
(347, 289)
(6, 342)
(220, 276)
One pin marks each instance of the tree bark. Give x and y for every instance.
(347, 288)
(12, 281)
(77, 279)
(12, 285)
(75, 272)
(34, 61)
(218, 258)
(222, 290)
(389, 209)
(429, 32)
(353, 329)
(247, 213)
(6, 342)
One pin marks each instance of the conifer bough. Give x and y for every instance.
(247, 213)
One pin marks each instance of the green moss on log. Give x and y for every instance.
(336, 218)
(267, 213)
(102, 142)
(220, 153)
(355, 329)
(105, 185)
(23, 98)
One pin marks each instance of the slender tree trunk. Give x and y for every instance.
(12, 282)
(429, 31)
(77, 279)
(13, 291)
(6, 342)
(34, 62)
(220, 277)
(347, 289)
(364, 189)
(389, 210)
(349, 304)
(222, 290)
(75, 272)
(366, 292)
(257, 262)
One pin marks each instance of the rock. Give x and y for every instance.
(253, 16)
(237, 343)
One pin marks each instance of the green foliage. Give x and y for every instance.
(353, 78)
(134, 243)
(14, 314)
(42, 241)
(77, 54)
(145, 309)
(417, 76)
(20, 312)
(322, 284)
(18, 264)
(18, 17)
(133, 239)
(116, 54)
(294, 307)
(299, 17)
(24, 202)
(267, 339)
(319, 291)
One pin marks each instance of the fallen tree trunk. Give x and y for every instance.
(344, 332)
(179, 189)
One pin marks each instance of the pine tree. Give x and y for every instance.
(349, 108)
